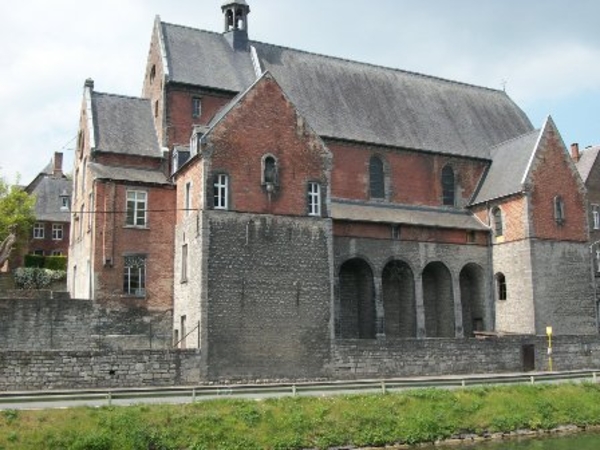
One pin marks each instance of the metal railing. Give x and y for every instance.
(186, 394)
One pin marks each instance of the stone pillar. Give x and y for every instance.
(458, 318)
(379, 311)
(419, 306)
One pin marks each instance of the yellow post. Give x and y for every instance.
(549, 333)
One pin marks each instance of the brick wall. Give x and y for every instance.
(42, 370)
(411, 177)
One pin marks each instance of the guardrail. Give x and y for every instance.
(195, 393)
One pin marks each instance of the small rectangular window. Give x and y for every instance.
(596, 217)
(220, 191)
(314, 199)
(196, 107)
(39, 252)
(188, 198)
(134, 275)
(136, 208)
(184, 263)
(38, 231)
(56, 253)
(396, 232)
(57, 232)
(471, 236)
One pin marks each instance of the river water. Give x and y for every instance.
(580, 441)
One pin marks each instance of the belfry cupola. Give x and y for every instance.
(235, 13)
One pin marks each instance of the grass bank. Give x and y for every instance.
(304, 422)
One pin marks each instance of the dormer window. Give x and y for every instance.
(64, 200)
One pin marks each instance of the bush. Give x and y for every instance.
(55, 263)
(36, 278)
(46, 262)
(34, 260)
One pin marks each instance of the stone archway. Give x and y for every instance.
(399, 305)
(472, 297)
(438, 301)
(357, 301)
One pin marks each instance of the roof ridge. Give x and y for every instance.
(379, 66)
(129, 97)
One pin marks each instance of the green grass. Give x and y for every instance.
(304, 422)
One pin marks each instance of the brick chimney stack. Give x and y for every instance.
(575, 152)
(57, 164)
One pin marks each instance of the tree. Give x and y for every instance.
(16, 217)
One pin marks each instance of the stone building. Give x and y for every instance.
(302, 202)
(52, 191)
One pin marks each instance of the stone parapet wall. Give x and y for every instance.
(41, 370)
(355, 359)
(59, 323)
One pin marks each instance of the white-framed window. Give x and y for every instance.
(221, 188)
(134, 275)
(57, 253)
(137, 202)
(57, 231)
(596, 217)
(196, 107)
(188, 198)
(38, 231)
(184, 263)
(64, 201)
(314, 199)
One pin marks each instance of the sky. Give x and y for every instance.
(544, 53)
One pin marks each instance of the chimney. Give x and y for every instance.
(575, 152)
(57, 164)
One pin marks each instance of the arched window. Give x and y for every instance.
(559, 210)
(498, 225)
(500, 286)
(270, 171)
(448, 186)
(376, 178)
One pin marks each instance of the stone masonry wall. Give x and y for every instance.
(62, 323)
(354, 359)
(41, 370)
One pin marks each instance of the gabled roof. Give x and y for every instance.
(404, 214)
(129, 174)
(510, 162)
(124, 125)
(48, 192)
(349, 100)
(586, 162)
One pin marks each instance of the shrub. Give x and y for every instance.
(34, 260)
(55, 263)
(35, 278)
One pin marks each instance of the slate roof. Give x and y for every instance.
(586, 161)
(510, 161)
(48, 201)
(355, 101)
(124, 125)
(410, 215)
(131, 174)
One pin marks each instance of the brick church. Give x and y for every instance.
(279, 202)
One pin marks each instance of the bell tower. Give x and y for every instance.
(235, 14)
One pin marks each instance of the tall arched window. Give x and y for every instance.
(559, 210)
(270, 171)
(376, 178)
(448, 186)
(498, 225)
(500, 286)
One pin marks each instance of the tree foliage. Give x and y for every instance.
(16, 210)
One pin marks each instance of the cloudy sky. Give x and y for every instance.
(546, 53)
